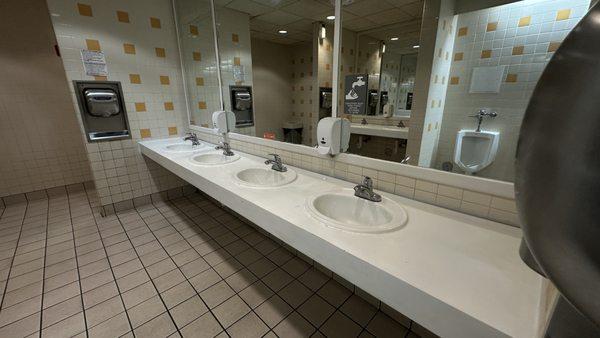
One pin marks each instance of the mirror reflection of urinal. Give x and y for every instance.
(475, 150)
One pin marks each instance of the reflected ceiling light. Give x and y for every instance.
(383, 47)
(394, 38)
(282, 31)
(416, 46)
(323, 31)
(331, 17)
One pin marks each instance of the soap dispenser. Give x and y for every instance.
(333, 135)
(223, 121)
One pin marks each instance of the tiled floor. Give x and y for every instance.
(182, 267)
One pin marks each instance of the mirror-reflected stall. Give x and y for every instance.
(273, 65)
(379, 53)
(199, 60)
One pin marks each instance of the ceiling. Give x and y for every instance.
(381, 19)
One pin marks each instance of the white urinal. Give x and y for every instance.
(475, 150)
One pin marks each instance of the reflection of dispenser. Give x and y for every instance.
(223, 121)
(241, 105)
(333, 135)
(384, 100)
(373, 100)
(102, 110)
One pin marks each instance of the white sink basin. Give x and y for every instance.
(216, 158)
(265, 177)
(183, 147)
(342, 210)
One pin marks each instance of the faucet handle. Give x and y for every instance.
(367, 182)
(276, 157)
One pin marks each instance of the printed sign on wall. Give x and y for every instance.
(94, 63)
(355, 96)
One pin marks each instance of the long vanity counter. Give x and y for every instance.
(457, 275)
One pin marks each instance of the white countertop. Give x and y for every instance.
(457, 275)
(379, 130)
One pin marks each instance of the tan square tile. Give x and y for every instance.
(84, 10)
(511, 78)
(486, 54)
(178, 294)
(216, 294)
(197, 56)
(145, 311)
(155, 23)
(60, 311)
(295, 293)
(358, 309)
(20, 310)
(235, 38)
(459, 56)
(114, 327)
(135, 78)
(206, 324)
(340, 325)
(169, 106)
(230, 311)
(140, 106)
(294, 326)
(491, 26)
(334, 293)
(92, 44)
(160, 52)
(164, 80)
(188, 311)
(273, 310)
(255, 294)
(128, 48)
(103, 311)
(193, 30)
(145, 133)
(199, 81)
(249, 326)
(553, 46)
(69, 327)
(138, 294)
(463, 31)
(563, 14)
(123, 16)
(525, 21)
(161, 326)
(316, 310)
(277, 279)
(518, 50)
(237, 61)
(382, 325)
(454, 80)
(241, 280)
(202, 105)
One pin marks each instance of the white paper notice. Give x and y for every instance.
(94, 63)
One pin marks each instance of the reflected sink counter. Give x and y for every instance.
(379, 130)
(455, 274)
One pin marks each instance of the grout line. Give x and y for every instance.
(44, 269)
(13, 256)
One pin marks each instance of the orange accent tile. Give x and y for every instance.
(525, 21)
(235, 38)
(459, 56)
(237, 61)
(160, 52)
(164, 80)
(122, 16)
(100, 78)
(92, 44)
(486, 54)
(202, 105)
(327, 66)
(205, 125)
(553, 46)
(169, 106)
(193, 30)
(135, 78)
(237, 83)
(145, 133)
(199, 81)
(491, 26)
(155, 23)
(197, 56)
(140, 106)
(429, 127)
(511, 78)
(84, 10)
(463, 31)
(128, 48)
(172, 131)
(454, 80)
(518, 50)
(563, 14)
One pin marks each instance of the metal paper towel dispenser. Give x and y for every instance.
(102, 110)
(241, 105)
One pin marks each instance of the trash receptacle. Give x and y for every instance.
(292, 132)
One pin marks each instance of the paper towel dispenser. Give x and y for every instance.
(102, 110)
(241, 105)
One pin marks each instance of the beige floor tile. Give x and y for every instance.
(20, 310)
(255, 294)
(339, 325)
(178, 294)
(61, 311)
(145, 311)
(249, 326)
(205, 326)
(22, 327)
(316, 310)
(217, 294)
(113, 327)
(334, 293)
(69, 327)
(161, 326)
(188, 311)
(384, 326)
(273, 311)
(358, 310)
(104, 311)
(294, 326)
(230, 311)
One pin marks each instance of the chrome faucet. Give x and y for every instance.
(226, 148)
(276, 161)
(401, 124)
(481, 114)
(363, 121)
(192, 137)
(405, 160)
(365, 190)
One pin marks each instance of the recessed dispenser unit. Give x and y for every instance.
(241, 105)
(102, 110)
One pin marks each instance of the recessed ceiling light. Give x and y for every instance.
(331, 17)
(394, 38)
(416, 46)
(282, 31)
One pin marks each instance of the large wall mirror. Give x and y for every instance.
(442, 84)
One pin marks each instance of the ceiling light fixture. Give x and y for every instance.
(323, 31)
(331, 17)
(383, 47)
(282, 31)
(394, 38)
(416, 46)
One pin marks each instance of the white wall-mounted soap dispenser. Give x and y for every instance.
(223, 121)
(333, 135)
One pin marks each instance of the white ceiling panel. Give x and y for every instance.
(279, 17)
